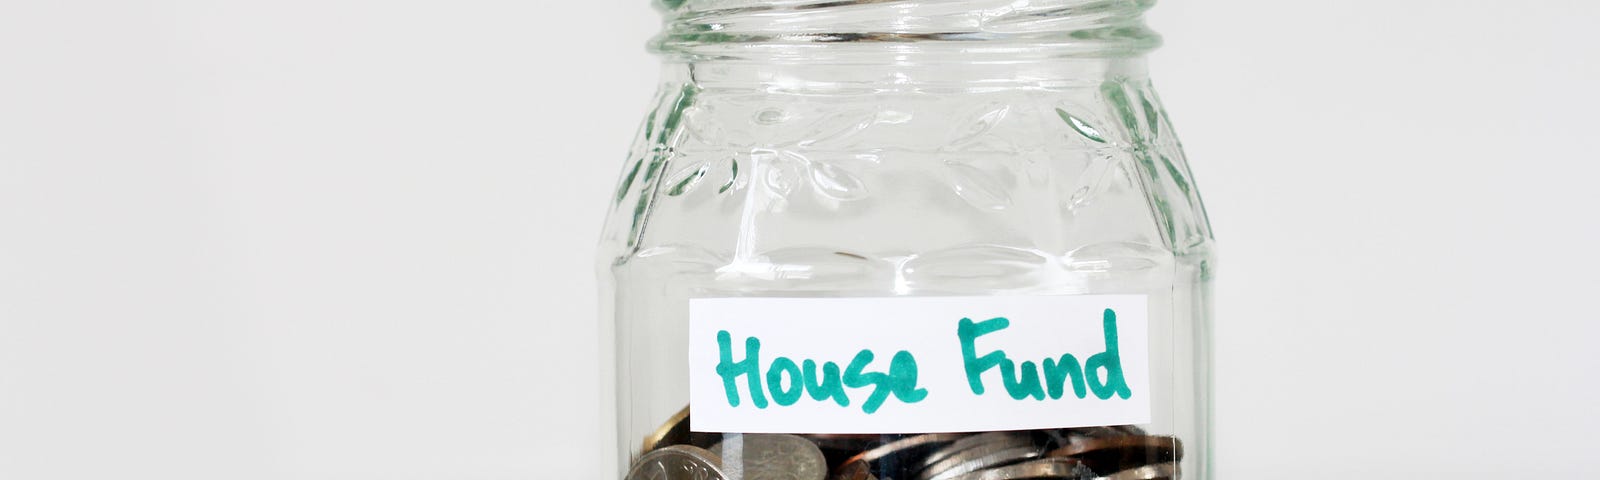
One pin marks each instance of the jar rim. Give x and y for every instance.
(710, 29)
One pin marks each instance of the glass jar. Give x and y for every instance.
(913, 240)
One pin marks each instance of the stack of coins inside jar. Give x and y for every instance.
(1125, 452)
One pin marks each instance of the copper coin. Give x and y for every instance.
(1129, 429)
(900, 458)
(1064, 436)
(854, 470)
(674, 432)
(1159, 471)
(906, 445)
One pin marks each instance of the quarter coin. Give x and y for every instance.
(677, 462)
(764, 456)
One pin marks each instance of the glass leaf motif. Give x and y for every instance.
(836, 183)
(978, 188)
(1082, 127)
(687, 179)
(989, 116)
(837, 127)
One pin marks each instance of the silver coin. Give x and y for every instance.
(973, 441)
(1159, 471)
(906, 445)
(677, 462)
(979, 458)
(761, 456)
(1044, 468)
(1039, 469)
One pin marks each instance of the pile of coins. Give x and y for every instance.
(1092, 453)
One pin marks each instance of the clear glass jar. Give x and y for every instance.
(983, 151)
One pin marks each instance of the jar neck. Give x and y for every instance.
(904, 31)
(916, 73)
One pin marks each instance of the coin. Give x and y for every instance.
(979, 458)
(1065, 436)
(1044, 468)
(763, 456)
(906, 445)
(672, 452)
(969, 442)
(855, 470)
(898, 459)
(674, 432)
(677, 462)
(844, 441)
(1159, 471)
(1110, 454)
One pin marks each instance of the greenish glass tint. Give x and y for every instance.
(876, 148)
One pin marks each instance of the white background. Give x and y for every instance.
(346, 239)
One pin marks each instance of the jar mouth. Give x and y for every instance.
(809, 29)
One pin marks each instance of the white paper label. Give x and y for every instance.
(917, 364)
